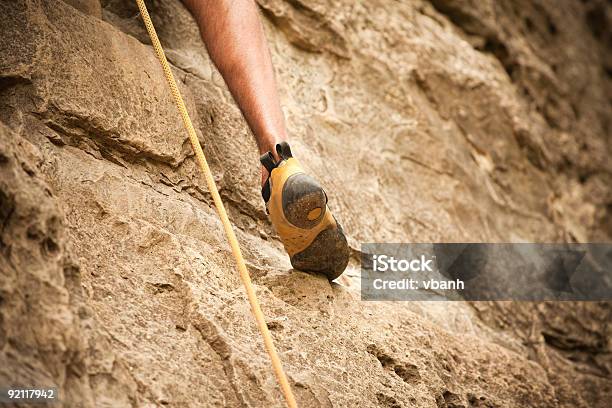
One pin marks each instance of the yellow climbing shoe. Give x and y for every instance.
(297, 205)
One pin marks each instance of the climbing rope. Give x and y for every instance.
(212, 187)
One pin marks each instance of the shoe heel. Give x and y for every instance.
(304, 201)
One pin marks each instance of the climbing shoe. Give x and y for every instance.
(297, 206)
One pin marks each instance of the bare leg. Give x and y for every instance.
(234, 38)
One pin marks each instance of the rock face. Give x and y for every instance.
(426, 121)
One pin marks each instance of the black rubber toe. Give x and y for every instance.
(328, 254)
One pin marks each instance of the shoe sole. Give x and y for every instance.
(305, 205)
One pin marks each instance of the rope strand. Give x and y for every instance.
(229, 232)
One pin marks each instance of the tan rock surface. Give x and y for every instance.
(426, 121)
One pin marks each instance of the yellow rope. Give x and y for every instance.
(229, 232)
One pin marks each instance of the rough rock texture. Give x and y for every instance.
(425, 120)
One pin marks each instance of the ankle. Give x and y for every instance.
(270, 145)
